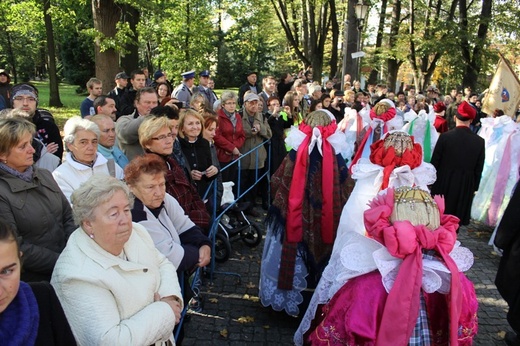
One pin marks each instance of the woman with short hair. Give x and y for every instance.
(230, 136)
(31, 202)
(199, 103)
(157, 135)
(115, 287)
(173, 233)
(82, 160)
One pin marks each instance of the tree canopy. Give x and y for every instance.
(447, 42)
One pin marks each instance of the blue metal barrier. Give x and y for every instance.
(216, 215)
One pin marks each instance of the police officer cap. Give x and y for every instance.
(188, 75)
(204, 73)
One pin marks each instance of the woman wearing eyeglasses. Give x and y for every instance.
(82, 160)
(230, 135)
(157, 135)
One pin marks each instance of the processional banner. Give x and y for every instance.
(504, 91)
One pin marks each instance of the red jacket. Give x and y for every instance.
(228, 137)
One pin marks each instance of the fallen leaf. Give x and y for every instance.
(266, 326)
(213, 300)
(246, 319)
(242, 258)
(224, 333)
(250, 285)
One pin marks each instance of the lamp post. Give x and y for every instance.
(361, 11)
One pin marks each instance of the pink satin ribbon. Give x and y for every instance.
(405, 241)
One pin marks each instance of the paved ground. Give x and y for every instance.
(232, 314)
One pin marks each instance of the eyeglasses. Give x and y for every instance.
(21, 98)
(85, 142)
(163, 137)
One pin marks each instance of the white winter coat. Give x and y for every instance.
(71, 174)
(109, 300)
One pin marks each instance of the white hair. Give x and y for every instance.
(77, 123)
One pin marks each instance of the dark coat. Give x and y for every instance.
(127, 102)
(508, 275)
(47, 130)
(42, 218)
(459, 159)
(198, 155)
(54, 329)
(278, 149)
(117, 95)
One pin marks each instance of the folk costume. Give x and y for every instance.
(394, 161)
(421, 127)
(383, 119)
(459, 159)
(501, 169)
(404, 285)
(309, 190)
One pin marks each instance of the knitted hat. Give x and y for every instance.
(24, 90)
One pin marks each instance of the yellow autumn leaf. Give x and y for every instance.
(251, 298)
(224, 333)
(246, 319)
(250, 285)
(213, 300)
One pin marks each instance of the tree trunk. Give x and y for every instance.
(352, 42)
(106, 14)
(392, 63)
(379, 41)
(335, 39)
(10, 57)
(54, 93)
(130, 61)
(474, 61)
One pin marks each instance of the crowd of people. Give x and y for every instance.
(121, 220)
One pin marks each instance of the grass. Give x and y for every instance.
(71, 100)
(68, 96)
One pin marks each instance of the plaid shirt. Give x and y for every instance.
(178, 185)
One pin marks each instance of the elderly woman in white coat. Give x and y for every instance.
(115, 287)
(82, 160)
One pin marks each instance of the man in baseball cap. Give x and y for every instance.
(116, 94)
